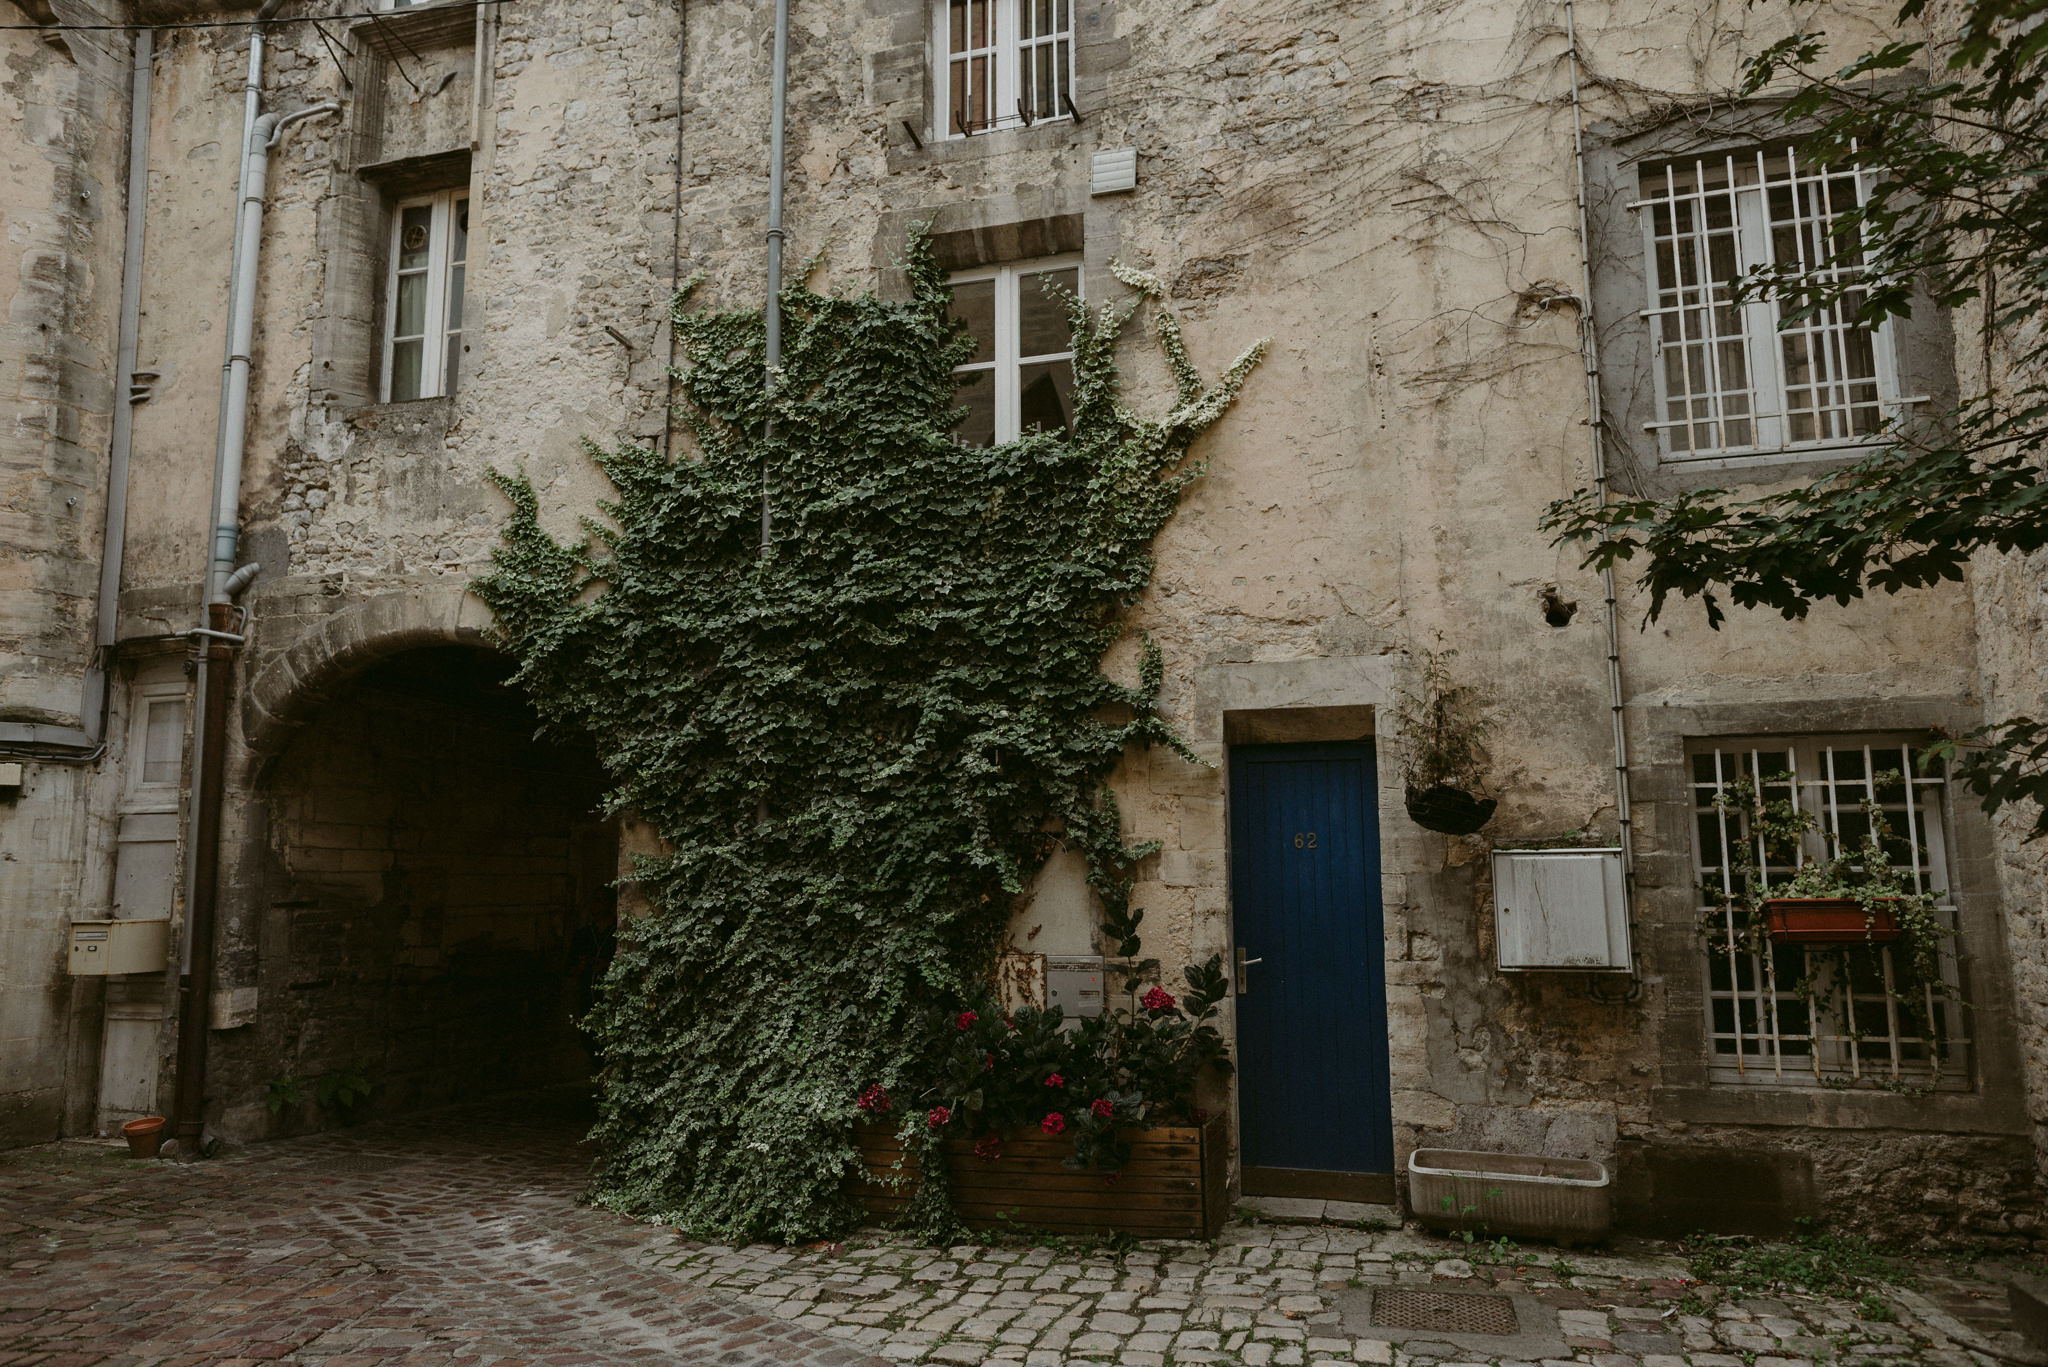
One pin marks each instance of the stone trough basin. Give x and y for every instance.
(1568, 1200)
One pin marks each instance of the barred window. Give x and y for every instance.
(1008, 63)
(1868, 1023)
(1736, 379)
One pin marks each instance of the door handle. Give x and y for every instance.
(1243, 964)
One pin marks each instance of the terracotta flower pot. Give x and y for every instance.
(1829, 921)
(144, 1136)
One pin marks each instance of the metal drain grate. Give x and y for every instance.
(1444, 1312)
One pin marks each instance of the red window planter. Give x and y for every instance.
(1829, 921)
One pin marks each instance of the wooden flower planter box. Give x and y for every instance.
(1173, 1188)
(1828, 921)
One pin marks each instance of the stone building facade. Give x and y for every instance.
(466, 266)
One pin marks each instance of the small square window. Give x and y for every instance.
(423, 342)
(1021, 378)
(1007, 64)
(163, 741)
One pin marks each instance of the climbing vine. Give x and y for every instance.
(856, 748)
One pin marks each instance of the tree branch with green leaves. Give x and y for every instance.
(1956, 212)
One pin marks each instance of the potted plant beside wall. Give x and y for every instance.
(1445, 727)
(1045, 1123)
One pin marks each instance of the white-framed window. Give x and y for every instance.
(1021, 378)
(1006, 64)
(156, 744)
(1736, 379)
(423, 309)
(1861, 1027)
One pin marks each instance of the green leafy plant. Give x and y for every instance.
(1006, 1073)
(1818, 1264)
(343, 1091)
(287, 1093)
(856, 745)
(1781, 834)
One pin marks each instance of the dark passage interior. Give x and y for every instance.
(439, 898)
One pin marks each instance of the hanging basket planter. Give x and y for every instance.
(1829, 921)
(1452, 811)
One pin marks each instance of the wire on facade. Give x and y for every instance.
(377, 21)
(340, 68)
(236, 23)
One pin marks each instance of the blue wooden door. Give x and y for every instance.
(1313, 1094)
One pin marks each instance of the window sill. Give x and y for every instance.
(1803, 464)
(408, 416)
(1044, 135)
(1822, 1108)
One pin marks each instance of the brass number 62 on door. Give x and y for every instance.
(1304, 840)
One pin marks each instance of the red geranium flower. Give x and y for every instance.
(1102, 1108)
(939, 1116)
(1053, 1123)
(1055, 1081)
(967, 1018)
(987, 1148)
(875, 1099)
(1158, 999)
(990, 1066)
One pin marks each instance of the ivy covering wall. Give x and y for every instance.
(857, 748)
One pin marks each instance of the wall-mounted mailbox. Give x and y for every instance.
(120, 946)
(1073, 982)
(1560, 909)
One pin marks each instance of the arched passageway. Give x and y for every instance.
(438, 895)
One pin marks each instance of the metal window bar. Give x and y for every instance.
(1760, 1031)
(1045, 44)
(1729, 380)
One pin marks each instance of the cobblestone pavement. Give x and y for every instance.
(1284, 1294)
(452, 1239)
(455, 1239)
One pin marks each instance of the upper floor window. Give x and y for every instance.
(1740, 378)
(1008, 63)
(1860, 1015)
(423, 314)
(1021, 378)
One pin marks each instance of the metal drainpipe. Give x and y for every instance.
(1590, 352)
(779, 98)
(218, 638)
(675, 273)
(84, 743)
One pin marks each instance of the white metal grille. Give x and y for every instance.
(1763, 1031)
(1009, 63)
(1741, 378)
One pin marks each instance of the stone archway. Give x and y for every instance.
(427, 887)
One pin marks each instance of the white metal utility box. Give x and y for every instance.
(120, 946)
(1560, 909)
(1074, 983)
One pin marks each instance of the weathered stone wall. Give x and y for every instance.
(62, 218)
(1389, 195)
